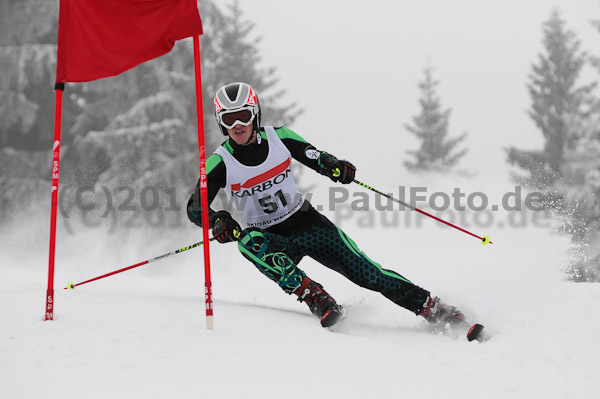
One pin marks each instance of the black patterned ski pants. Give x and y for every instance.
(276, 254)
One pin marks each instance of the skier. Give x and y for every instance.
(253, 166)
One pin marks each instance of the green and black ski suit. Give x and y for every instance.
(277, 249)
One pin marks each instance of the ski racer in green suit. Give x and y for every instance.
(253, 166)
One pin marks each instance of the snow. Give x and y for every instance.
(142, 333)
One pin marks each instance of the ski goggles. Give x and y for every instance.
(243, 117)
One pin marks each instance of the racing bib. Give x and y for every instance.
(266, 194)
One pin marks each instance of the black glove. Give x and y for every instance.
(224, 227)
(338, 170)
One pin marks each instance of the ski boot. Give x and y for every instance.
(449, 319)
(320, 303)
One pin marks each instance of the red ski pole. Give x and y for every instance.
(70, 286)
(484, 240)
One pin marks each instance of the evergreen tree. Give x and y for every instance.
(28, 22)
(559, 103)
(437, 152)
(28, 65)
(579, 187)
(579, 191)
(567, 169)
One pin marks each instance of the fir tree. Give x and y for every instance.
(567, 169)
(28, 31)
(437, 152)
(559, 103)
(579, 191)
(579, 187)
(28, 34)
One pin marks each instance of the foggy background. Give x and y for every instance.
(480, 95)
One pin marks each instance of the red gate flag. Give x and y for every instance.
(101, 38)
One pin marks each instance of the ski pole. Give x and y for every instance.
(484, 240)
(70, 286)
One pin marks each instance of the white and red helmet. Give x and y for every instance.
(236, 103)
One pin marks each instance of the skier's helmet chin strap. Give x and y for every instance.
(250, 138)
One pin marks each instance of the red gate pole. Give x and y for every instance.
(59, 87)
(203, 185)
